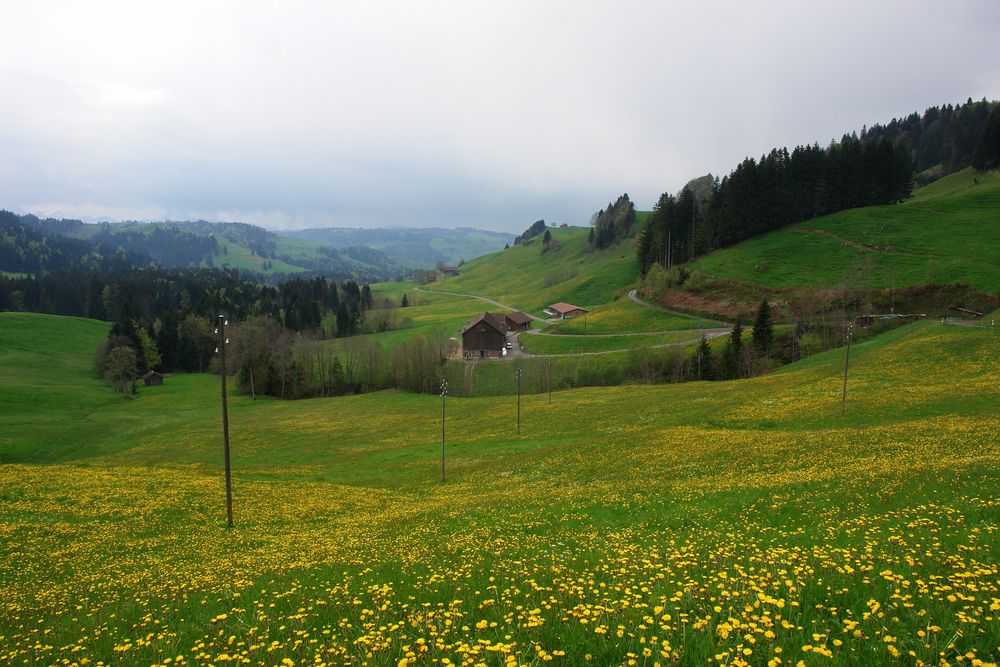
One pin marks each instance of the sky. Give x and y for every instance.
(468, 113)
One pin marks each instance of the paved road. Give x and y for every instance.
(635, 297)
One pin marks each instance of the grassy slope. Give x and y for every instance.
(518, 276)
(945, 234)
(240, 257)
(546, 344)
(624, 315)
(602, 522)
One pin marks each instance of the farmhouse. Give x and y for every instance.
(153, 379)
(564, 311)
(450, 271)
(484, 336)
(518, 321)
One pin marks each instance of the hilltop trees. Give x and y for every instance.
(531, 232)
(613, 224)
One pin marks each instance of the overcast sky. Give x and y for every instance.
(485, 114)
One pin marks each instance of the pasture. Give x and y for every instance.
(705, 523)
(934, 238)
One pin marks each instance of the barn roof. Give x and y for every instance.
(491, 319)
(565, 307)
(517, 317)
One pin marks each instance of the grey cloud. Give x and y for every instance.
(494, 115)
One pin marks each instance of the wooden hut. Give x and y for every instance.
(152, 379)
(518, 321)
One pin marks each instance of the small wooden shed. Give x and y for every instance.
(152, 379)
(518, 321)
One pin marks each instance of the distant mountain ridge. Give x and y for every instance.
(30, 244)
(416, 247)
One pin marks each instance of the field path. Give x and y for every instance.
(481, 298)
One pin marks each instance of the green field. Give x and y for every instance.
(702, 523)
(551, 344)
(240, 257)
(624, 315)
(526, 279)
(944, 234)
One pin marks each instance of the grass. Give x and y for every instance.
(624, 316)
(703, 523)
(936, 237)
(526, 279)
(237, 256)
(548, 344)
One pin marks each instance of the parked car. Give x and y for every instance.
(510, 346)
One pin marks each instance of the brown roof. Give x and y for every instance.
(565, 307)
(517, 317)
(494, 321)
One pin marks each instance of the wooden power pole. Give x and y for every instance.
(847, 358)
(444, 392)
(223, 341)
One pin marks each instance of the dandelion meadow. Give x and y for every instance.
(729, 523)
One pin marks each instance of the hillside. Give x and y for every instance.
(735, 515)
(29, 242)
(948, 232)
(419, 248)
(526, 278)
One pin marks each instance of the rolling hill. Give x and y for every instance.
(420, 248)
(195, 244)
(526, 278)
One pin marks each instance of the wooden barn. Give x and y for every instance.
(518, 321)
(484, 336)
(564, 311)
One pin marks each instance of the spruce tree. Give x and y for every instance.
(763, 329)
(735, 349)
(704, 360)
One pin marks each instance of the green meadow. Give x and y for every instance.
(579, 344)
(936, 237)
(525, 278)
(625, 316)
(701, 523)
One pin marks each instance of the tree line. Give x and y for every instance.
(780, 189)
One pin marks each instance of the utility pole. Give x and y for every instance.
(444, 392)
(221, 349)
(550, 380)
(847, 357)
(519, 400)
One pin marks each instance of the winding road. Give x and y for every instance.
(708, 333)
